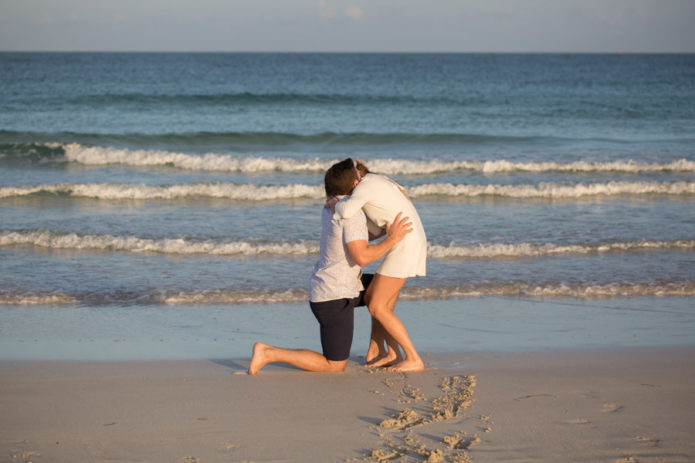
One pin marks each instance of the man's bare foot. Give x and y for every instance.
(258, 359)
(408, 365)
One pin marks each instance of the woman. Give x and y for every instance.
(382, 199)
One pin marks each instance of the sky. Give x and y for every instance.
(349, 25)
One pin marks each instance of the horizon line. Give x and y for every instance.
(432, 52)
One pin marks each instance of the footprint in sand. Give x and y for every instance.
(460, 441)
(398, 440)
(25, 455)
(611, 408)
(648, 441)
(580, 421)
(533, 396)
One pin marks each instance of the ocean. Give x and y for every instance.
(136, 183)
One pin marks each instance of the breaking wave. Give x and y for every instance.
(181, 246)
(249, 248)
(521, 250)
(243, 192)
(102, 156)
(236, 297)
(561, 290)
(217, 162)
(254, 192)
(553, 190)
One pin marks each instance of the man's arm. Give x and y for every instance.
(364, 253)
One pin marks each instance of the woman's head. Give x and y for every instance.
(341, 178)
(361, 167)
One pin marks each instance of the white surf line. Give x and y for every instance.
(53, 240)
(253, 192)
(100, 156)
(293, 295)
(220, 247)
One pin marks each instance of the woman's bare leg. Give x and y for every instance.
(392, 353)
(377, 348)
(384, 293)
(383, 350)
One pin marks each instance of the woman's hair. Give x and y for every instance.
(340, 178)
(360, 165)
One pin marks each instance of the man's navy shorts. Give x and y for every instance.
(337, 321)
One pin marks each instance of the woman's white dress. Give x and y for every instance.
(382, 199)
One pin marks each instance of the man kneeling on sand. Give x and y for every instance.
(337, 284)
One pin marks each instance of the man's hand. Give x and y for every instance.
(399, 228)
(330, 204)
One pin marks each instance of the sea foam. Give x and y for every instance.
(294, 295)
(248, 248)
(100, 156)
(179, 246)
(553, 190)
(561, 290)
(254, 192)
(238, 192)
(527, 250)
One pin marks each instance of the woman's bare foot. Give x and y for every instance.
(258, 359)
(374, 352)
(370, 358)
(408, 365)
(385, 360)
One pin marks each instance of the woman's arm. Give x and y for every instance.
(375, 232)
(363, 253)
(349, 206)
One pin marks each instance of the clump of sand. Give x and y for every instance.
(398, 439)
(460, 441)
(405, 419)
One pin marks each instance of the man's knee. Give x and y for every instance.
(337, 366)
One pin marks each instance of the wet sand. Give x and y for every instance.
(626, 405)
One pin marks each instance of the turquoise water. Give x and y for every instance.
(158, 332)
(192, 181)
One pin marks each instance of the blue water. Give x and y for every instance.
(190, 180)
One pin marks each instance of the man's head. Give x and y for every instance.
(341, 178)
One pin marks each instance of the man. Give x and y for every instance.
(337, 284)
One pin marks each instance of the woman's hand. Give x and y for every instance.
(330, 204)
(399, 228)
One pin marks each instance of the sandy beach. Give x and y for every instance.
(608, 405)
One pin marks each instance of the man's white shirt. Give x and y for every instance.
(336, 275)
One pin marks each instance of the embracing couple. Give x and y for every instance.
(361, 207)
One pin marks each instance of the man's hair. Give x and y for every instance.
(340, 178)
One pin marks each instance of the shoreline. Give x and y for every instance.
(508, 324)
(610, 404)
